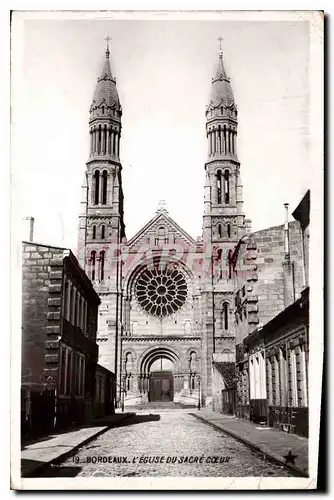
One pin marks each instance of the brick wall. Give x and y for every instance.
(264, 283)
(41, 306)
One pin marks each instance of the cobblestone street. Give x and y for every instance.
(165, 443)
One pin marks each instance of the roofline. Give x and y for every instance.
(157, 215)
(44, 245)
(67, 253)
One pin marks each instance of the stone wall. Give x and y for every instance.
(41, 314)
(265, 281)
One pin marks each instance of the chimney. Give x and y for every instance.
(28, 228)
(286, 232)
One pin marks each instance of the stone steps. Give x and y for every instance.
(162, 405)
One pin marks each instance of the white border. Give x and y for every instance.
(316, 261)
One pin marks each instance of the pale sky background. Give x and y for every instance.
(163, 71)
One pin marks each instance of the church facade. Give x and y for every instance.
(166, 319)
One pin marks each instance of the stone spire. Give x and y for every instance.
(223, 213)
(221, 90)
(105, 116)
(105, 98)
(221, 115)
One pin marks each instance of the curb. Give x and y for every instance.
(270, 455)
(63, 456)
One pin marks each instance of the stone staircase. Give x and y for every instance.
(161, 405)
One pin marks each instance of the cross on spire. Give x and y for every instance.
(162, 206)
(107, 38)
(220, 39)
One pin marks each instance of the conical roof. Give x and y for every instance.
(105, 89)
(221, 90)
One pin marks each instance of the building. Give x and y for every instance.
(165, 324)
(270, 269)
(105, 392)
(59, 349)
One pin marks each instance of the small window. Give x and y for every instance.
(94, 232)
(219, 186)
(104, 187)
(103, 231)
(93, 258)
(229, 230)
(96, 182)
(156, 242)
(227, 186)
(219, 230)
(102, 258)
(225, 316)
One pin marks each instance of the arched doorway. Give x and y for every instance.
(158, 370)
(161, 381)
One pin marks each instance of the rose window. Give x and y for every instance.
(161, 292)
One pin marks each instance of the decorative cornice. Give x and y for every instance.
(161, 338)
(224, 161)
(106, 159)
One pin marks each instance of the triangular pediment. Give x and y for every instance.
(161, 227)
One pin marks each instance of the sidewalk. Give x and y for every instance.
(54, 448)
(274, 444)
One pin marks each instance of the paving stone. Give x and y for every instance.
(141, 447)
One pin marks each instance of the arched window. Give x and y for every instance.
(219, 230)
(229, 230)
(99, 140)
(227, 186)
(104, 187)
(94, 232)
(219, 186)
(193, 362)
(103, 232)
(225, 316)
(161, 232)
(219, 254)
(92, 264)
(102, 265)
(128, 363)
(114, 142)
(229, 261)
(96, 186)
(104, 146)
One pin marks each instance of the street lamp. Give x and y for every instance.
(199, 392)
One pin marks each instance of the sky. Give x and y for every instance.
(163, 70)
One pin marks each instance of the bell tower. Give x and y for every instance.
(101, 219)
(223, 213)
